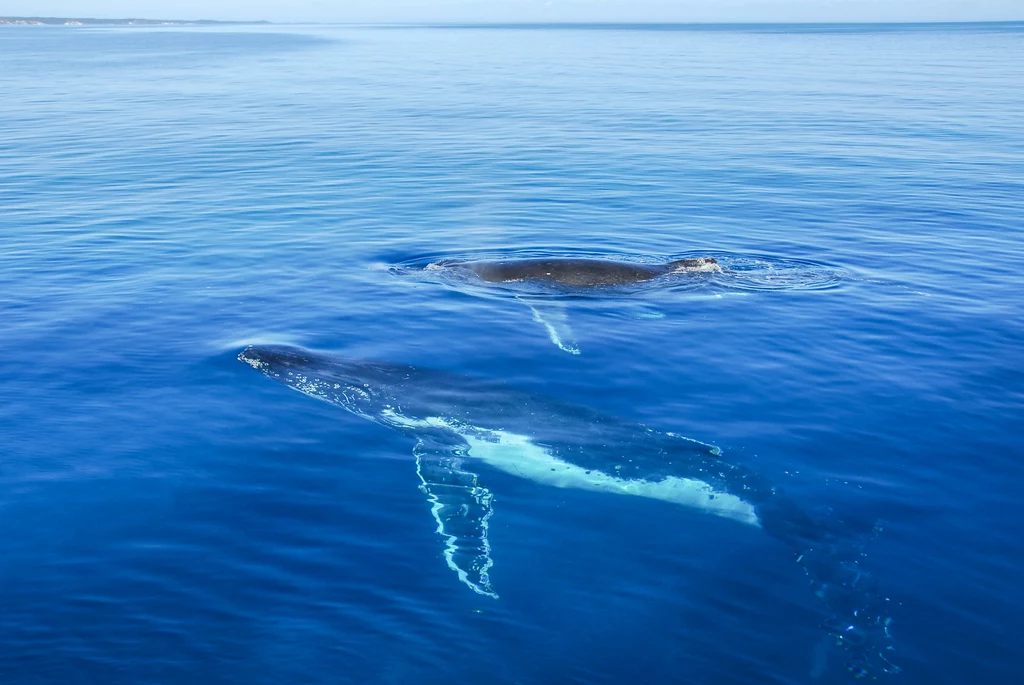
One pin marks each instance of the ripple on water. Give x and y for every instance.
(763, 272)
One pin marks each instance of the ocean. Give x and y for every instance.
(171, 196)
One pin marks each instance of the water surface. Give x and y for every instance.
(168, 196)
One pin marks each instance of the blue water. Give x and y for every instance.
(169, 196)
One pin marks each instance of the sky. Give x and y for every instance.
(402, 11)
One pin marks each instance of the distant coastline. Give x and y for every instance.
(68, 21)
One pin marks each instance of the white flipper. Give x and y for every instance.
(462, 509)
(553, 317)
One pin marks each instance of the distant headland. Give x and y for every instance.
(65, 21)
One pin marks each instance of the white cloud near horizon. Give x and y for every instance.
(400, 11)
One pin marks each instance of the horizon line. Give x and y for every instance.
(484, 24)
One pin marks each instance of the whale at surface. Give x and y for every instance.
(577, 273)
(559, 276)
(463, 427)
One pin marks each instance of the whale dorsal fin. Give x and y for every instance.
(462, 509)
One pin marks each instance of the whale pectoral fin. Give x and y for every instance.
(462, 509)
(645, 313)
(553, 317)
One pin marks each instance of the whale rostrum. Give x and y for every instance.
(464, 427)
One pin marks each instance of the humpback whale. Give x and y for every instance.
(577, 273)
(463, 427)
(565, 274)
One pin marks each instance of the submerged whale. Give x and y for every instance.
(577, 273)
(565, 275)
(464, 427)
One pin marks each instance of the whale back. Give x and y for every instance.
(569, 272)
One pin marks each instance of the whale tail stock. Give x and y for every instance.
(830, 553)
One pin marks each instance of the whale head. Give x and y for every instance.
(271, 359)
(362, 387)
(696, 265)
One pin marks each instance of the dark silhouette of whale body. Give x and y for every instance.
(466, 429)
(580, 273)
(566, 273)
